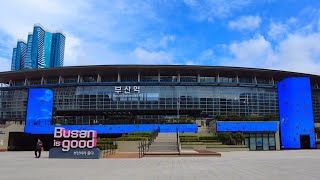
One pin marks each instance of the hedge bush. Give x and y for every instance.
(187, 136)
(208, 138)
(104, 146)
(209, 141)
(105, 140)
(231, 138)
(132, 138)
(189, 139)
(225, 137)
(142, 134)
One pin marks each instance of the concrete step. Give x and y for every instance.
(163, 148)
(161, 154)
(164, 143)
(167, 135)
(123, 155)
(165, 140)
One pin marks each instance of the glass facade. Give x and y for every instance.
(29, 51)
(57, 53)
(47, 50)
(148, 90)
(260, 141)
(43, 50)
(214, 100)
(19, 56)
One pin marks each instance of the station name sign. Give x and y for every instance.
(127, 89)
(72, 139)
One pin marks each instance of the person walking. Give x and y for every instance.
(39, 148)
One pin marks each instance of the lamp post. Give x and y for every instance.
(178, 105)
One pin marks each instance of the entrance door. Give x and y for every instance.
(305, 141)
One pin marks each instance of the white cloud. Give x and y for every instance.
(156, 43)
(277, 30)
(206, 55)
(300, 53)
(94, 28)
(297, 52)
(151, 57)
(209, 10)
(5, 64)
(245, 23)
(250, 52)
(165, 40)
(72, 50)
(190, 62)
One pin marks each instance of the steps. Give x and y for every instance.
(122, 155)
(164, 143)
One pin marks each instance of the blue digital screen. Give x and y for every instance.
(296, 114)
(117, 129)
(232, 126)
(40, 106)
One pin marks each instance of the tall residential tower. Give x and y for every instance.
(19, 56)
(44, 49)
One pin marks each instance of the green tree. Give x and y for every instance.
(238, 137)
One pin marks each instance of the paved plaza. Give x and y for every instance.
(302, 164)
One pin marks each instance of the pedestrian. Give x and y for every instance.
(39, 148)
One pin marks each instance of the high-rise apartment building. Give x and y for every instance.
(44, 49)
(19, 56)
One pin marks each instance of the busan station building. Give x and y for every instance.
(117, 99)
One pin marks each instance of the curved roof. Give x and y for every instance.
(223, 71)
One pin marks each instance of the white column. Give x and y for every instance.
(119, 77)
(98, 78)
(79, 79)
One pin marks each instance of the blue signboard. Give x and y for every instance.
(296, 114)
(40, 105)
(238, 126)
(117, 129)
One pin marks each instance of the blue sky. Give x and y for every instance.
(265, 34)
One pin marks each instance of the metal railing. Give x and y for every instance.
(144, 145)
(109, 148)
(142, 148)
(178, 141)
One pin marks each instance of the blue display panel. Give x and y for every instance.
(117, 129)
(40, 104)
(231, 126)
(296, 114)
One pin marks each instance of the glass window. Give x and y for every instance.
(149, 78)
(70, 79)
(52, 81)
(259, 141)
(109, 78)
(188, 78)
(272, 141)
(245, 80)
(129, 78)
(253, 146)
(89, 79)
(265, 142)
(207, 79)
(19, 83)
(227, 79)
(263, 81)
(34, 81)
(168, 78)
